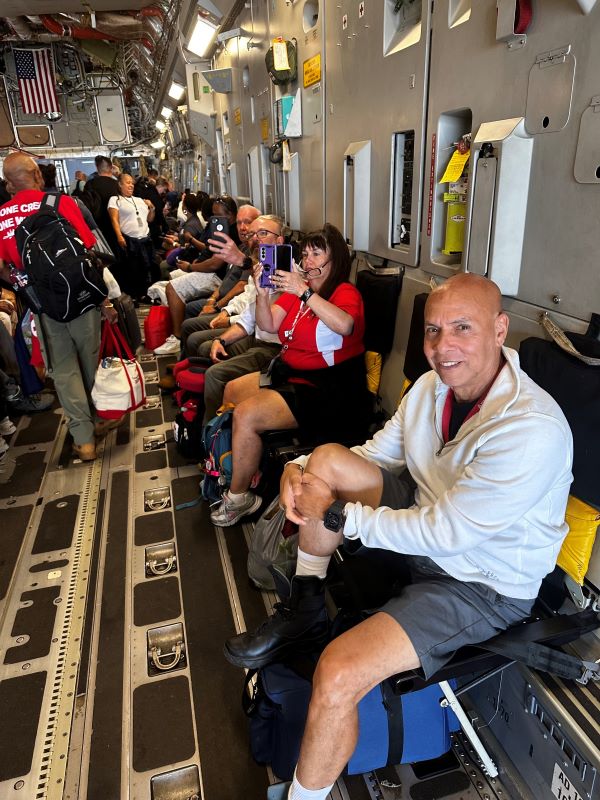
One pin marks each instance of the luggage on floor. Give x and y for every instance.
(218, 466)
(119, 383)
(393, 729)
(274, 543)
(128, 321)
(157, 327)
(187, 425)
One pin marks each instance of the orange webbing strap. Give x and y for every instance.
(523, 15)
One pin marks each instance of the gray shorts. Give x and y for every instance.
(438, 613)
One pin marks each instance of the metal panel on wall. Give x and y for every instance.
(478, 79)
(377, 64)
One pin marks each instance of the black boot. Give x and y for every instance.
(299, 625)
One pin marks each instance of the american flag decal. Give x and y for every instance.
(35, 74)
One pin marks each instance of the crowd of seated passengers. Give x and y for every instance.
(196, 278)
(318, 381)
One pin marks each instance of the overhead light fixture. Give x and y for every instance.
(160, 125)
(176, 91)
(202, 37)
(166, 112)
(158, 144)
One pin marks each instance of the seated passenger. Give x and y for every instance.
(243, 347)
(176, 242)
(236, 275)
(319, 382)
(268, 229)
(202, 277)
(490, 454)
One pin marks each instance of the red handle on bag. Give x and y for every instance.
(112, 335)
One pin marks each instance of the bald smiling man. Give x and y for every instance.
(489, 456)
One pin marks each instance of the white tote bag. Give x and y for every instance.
(119, 383)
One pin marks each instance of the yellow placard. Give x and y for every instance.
(237, 116)
(264, 128)
(455, 167)
(312, 70)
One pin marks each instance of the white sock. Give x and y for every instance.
(312, 565)
(237, 499)
(298, 792)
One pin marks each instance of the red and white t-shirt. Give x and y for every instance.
(26, 203)
(312, 344)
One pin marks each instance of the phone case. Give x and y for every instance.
(268, 258)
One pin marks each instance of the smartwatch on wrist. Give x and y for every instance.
(335, 517)
(306, 295)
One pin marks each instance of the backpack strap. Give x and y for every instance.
(50, 201)
(558, 336)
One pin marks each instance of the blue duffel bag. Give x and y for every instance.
(393, 729)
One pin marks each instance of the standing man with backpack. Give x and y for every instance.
(70, 321)
(98, 191)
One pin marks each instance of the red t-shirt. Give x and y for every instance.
(24, 204)
(313, 345)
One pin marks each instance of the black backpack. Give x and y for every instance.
(61, 271)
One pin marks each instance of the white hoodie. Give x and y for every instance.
(490, 503)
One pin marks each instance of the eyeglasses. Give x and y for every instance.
(263, 233)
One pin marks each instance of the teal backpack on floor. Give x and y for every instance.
(217, 464)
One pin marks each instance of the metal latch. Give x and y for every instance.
(591, 672)
(157, 499)
(166, 648)
(152, 402)
(160, 559)
(154, 441)
(553, 57)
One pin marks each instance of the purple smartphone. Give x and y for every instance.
(272, 257)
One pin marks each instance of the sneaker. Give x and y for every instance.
(229, 513)
(7, 428)
(3, 446)
(171, 346)
(104, 426)
(86, 452)
(32, 404)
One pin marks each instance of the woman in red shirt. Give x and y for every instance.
(318, 383)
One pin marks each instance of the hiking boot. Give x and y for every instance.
(228, 513)
(7, 427)
(170, 347)
(85, 452)
(104, 426)
(32, 404)
(299, 625)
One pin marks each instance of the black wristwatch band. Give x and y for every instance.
(222, 341)
(247, 263)
(306, 295)
(335, 517)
